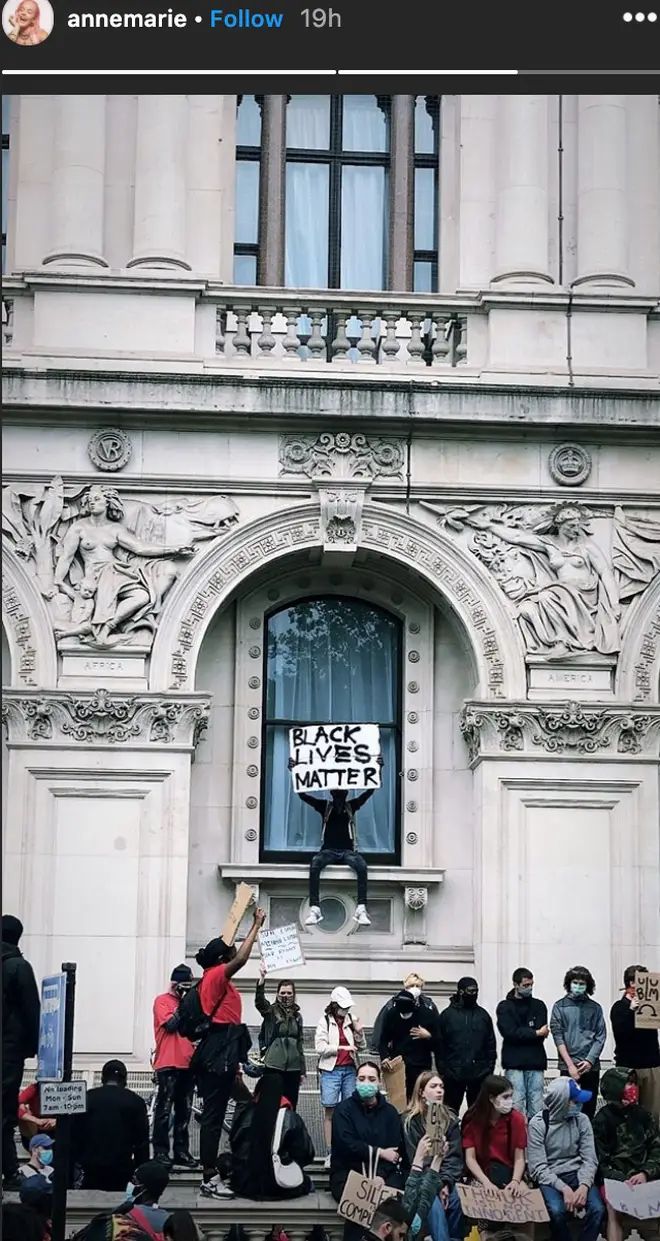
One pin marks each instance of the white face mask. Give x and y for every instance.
(415, 992)
(502, 1104)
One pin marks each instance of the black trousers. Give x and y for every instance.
(290, 1086)
(12, 1076)
(216, 1090)
(175, 1092)
(337, 857)
(412, 1073)
(588, 1081)
(111, 1179)
(457, 1088)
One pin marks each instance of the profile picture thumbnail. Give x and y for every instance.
(27, 22)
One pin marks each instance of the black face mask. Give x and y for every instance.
(469, 998)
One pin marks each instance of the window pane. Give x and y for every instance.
(247, 201)
(306, 239)
(308, 122)
(423, 281)
(363, 231)
(245, 269)
(424, 130)
(365, 124)
(248, 123)
(424, 209)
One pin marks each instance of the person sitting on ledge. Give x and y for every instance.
(627, 1146)
(338, 847)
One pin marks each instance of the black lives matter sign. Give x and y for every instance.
(335, 756)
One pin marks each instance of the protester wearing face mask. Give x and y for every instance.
(339, 1036)
(434, 1197)
(143, 1193)
(627, 1142)
(562, 1161)
(466, 1050)
(637, 1049)
(414, 983)
(578, 1028)
(171, 1064)
(522, 1022)
(40, 1162)
(409, 1030)
(494, 1137)
(281, 1035)
(365, 1125)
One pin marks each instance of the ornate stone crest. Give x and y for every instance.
(110, 450)
(103, 718)
(570, 728)
(341, 455)
(341, 518)
(569, 465)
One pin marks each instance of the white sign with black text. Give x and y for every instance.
(63, 1098)
(280, 948)
(335, 756)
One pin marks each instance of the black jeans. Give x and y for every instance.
(216, 1090)
(337, 857)
(175, 1091)
(588, 1081)
(456, 1088)
(111, 1179)
(12, 1076)
(290, 1085)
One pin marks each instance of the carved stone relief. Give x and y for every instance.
(569, 465)
(341, 455)
(570, 728)
(21, 631)
(103, 561)
(341, 518)
(110, 450)
(101, 717)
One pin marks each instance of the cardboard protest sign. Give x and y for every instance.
(494, 1204)
(395, 1084)
(280, 948)
(436, 1126)
(640, 1201)
(335, 756)
(647, 988)
(244, 897)
(361, 1198)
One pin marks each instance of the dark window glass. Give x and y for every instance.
(248, 157)
(425, 261)
(6, 108)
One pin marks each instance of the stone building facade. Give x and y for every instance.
(433, 502)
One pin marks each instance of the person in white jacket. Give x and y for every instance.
(339, 1037)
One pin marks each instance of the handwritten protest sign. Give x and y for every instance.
(647, 988)
(244, 897)
(361, 1198)
(436, 1126)
(335, 756)
(280, 948)
(494, 1204)
(395, 1084)
(640, 1201)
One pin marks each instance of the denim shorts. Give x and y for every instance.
(337, 1084)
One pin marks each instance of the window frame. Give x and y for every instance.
(429, 159)
(297, 856)
(250, 154)
(5, 190)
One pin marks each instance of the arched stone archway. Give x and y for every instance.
(457, 578)
(638, 673)
(27, 626)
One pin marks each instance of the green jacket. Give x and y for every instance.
(422, 1188)
(281, 1035)
(627, 1137)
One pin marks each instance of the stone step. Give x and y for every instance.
(189, 1178)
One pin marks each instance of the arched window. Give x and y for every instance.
(330, 660)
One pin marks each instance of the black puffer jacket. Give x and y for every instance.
(21, 1007)
(466, 1048)
(296, 1146)
(518, 1019)
(357, 1132)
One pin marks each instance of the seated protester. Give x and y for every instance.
(270, 1146)
(409, 1030)
(362, 1124)
(561, 1156)
(443, 1215)
(40, 1162)
(627, 1141)
(30, 1120)
(139, 1215)
(423, 1189)
(390, 1223)
(37, 1193)
(494, 1137)
(112, 1137)
(180, 1226)
(281, 1036)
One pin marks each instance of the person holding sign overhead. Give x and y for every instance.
(281, 1035)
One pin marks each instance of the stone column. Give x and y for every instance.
(521, 228)
(272, 191)
(76, 229)
(476, 209)
(602, 194)
(159, 228)
(402, 174)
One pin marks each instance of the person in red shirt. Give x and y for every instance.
(30, 1120)
(171, 1064)
(494, 1137)
(223, 1049)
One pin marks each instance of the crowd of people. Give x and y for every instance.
(516, 1129)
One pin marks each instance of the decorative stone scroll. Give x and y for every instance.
(415, 902)
(102, 718)
(341, 518)
(341, 455)
(569, 728)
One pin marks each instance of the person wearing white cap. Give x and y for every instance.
(339, 1037)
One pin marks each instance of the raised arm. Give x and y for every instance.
(261, 1004)
(243, 954)
(129, 542)
(519, 538)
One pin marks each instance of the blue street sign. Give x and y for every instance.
(50, 1065)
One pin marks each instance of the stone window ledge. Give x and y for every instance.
(400, 876)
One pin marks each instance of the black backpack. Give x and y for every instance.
(193, 1021)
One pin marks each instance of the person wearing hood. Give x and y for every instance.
(578, 1028)
(431, 1186)
(522, 1022)
(414, 983)
(627, 1141)
(366, 1129)
(171, 1065)
(21, 1011)
(562, 1161)
(410, 1030)
(636, 1049)
(339, 1036)
(270, 1145)
(466, 1050)
(281, 1036)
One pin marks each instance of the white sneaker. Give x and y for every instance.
(314, 916)
(326, 1161)
(215, 1188)
(361, 916)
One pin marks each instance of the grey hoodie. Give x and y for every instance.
(568, 1145)
(579, 1025)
